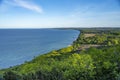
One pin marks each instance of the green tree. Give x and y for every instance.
(9, 75)
(109, 43)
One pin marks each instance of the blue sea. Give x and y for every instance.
(20, 45)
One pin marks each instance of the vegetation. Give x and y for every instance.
(75, 62)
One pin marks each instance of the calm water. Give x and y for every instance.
(20, 45)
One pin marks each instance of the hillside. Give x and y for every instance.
(95, 55)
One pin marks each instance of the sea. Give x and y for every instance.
(20, 45)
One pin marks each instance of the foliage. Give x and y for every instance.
(69, 63)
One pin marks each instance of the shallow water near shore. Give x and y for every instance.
(20, 45)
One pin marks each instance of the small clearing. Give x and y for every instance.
(89, 35)
(86, 46)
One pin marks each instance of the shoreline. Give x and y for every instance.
(48, 51)
(92, 60)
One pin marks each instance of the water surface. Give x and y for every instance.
(20, 45)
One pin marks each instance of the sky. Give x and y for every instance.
(59, 13)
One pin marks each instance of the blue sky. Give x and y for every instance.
(59, 13)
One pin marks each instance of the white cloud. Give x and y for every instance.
(27, 4)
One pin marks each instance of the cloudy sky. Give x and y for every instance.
(59, 13)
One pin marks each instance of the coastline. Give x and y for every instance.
(85, 59)
(48, 51)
